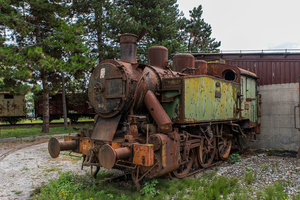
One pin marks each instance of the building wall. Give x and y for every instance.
(277, 120)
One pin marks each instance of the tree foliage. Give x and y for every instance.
(48, 45)
(41, 39)
(198, 33)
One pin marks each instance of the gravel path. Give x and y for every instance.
(24, 170)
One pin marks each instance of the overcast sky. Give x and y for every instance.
(251, 25)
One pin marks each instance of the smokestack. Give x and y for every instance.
(128, 47)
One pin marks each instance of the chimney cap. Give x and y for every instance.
(128, 38)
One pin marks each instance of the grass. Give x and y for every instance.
(249, 177)
(28, 121)
(264, 167)
(73, 156)
(29, 132)
(51, 169)
(17, 192)
(208, 186)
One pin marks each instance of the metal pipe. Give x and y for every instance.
(108, 156)
(68, 145)
(128, 47)
(158, 113)
(123, 153)
(54, 146)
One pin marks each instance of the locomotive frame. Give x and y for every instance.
(153, 121)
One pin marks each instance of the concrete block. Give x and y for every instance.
(282, 121)
(11, 139)
(29, 138)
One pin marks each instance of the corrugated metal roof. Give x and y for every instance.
(271, 68)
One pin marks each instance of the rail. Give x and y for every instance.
(38, 125)
(278, 51)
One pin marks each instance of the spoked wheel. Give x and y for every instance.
(225, 143)
(206, 152)
(185, 168)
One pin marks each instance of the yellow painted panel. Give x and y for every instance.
(208, 98)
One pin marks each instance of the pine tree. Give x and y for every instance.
(198, 33)
(160, 18)
(50, 44)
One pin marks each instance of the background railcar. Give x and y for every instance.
(76, 107)
(12, 107)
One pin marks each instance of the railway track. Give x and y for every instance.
(38, 125)
(19, 148)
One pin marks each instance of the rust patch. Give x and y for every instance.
(143, 154)
(84, 145)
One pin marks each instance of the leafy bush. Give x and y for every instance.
(62, 188)
(149, 189)
(234, 158)
(249, 169)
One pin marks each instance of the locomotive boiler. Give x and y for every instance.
(154, 121)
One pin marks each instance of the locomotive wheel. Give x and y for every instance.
(225, 144)
(12, 121)
(156, 170)
(206, 152)
(74, 120)
(184, 169)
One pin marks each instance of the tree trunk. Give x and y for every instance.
(64, 101)
(46, 121)
(98, 16)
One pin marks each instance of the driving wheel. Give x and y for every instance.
(225, 143)
(206, 151)
(185, 168)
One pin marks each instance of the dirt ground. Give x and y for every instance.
(25, 169)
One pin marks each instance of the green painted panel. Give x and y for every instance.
(248, 88)
(201, 100)
(172, 108)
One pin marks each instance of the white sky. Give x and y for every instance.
(250, 24)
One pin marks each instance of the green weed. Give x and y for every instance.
(272, 152)
(51, 169)
(275, 191)
(17, 192)
(277, 163)
(264, 167)
(249, 178)
(149, 189)
(234, 158)
(273, 169)
(249, 169)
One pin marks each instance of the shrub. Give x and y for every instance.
(234, 158)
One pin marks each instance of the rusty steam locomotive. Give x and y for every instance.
(153, 120)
